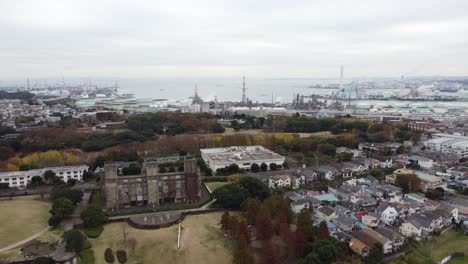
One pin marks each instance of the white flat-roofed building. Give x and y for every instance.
(21, 179)
(242, 156)
(449, 144)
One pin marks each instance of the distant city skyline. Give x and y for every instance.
(231, 39)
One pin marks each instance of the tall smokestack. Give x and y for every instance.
(244, 97)
(341, 76)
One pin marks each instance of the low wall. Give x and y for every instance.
(180, 218)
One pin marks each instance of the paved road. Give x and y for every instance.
(26, 240)
(75, 217)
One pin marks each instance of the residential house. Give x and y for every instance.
(448, 213)
(314, 203)
(370, 238)
(390, 192)
(356, 152)
(419, 226)
(292, 196)
(279, 182)
(388, 214)
(431, 205)
(330, 198)
(358, 247)
(385, 161)
(397, 239)
(419, 198)
(298, 205)
(370, 220)
(305, 176)
(423, 162)
(356, 168)
(368, 202)
(326, 173)
(340, 210)
(326, 213)
(344, 223)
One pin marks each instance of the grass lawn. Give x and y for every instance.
(51, 237)
(410, 258)
(201, 242)
(25, 198)
(443, 245)
(21, 219)
(231, 131)
(459, 260)
(215, 185)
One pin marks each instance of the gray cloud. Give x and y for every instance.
(109, 38)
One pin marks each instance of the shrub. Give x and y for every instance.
(273, 166)
(54, 220)
(86, 245)
(109, 255)
(121, 256)
(74, 240)
(94, 232)
(254, 167)
(93, 216)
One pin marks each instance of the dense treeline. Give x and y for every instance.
(16, 95)
(59, 138)
(233, 195)
(149, 124)
(310, 125)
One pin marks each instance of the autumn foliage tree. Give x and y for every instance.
(322, 232)
(225, 221)
(270, 254)
(264, 227)
(242, 231)
(251, 209)
(304, 223)
(300, 243)
(408, 182)
(242, 252)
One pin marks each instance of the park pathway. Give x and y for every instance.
(26, 240)
(205, 207)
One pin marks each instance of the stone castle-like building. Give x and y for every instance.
(151, 188)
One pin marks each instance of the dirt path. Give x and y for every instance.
(24, 241)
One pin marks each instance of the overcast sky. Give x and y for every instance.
(264, 39)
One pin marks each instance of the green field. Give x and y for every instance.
(444, 245)
(461, 260)
(201, 242)
(21, 219)
(410, 258)
(215, 185)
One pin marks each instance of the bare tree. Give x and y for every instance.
(124, 232)
(132, 242)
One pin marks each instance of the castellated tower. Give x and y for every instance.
(192, 180)
(152, 169)
(110, 185)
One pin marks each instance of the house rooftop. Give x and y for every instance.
(326, 210)
(326, 197)
(424, 176)
(357, 245)
(388, 233)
